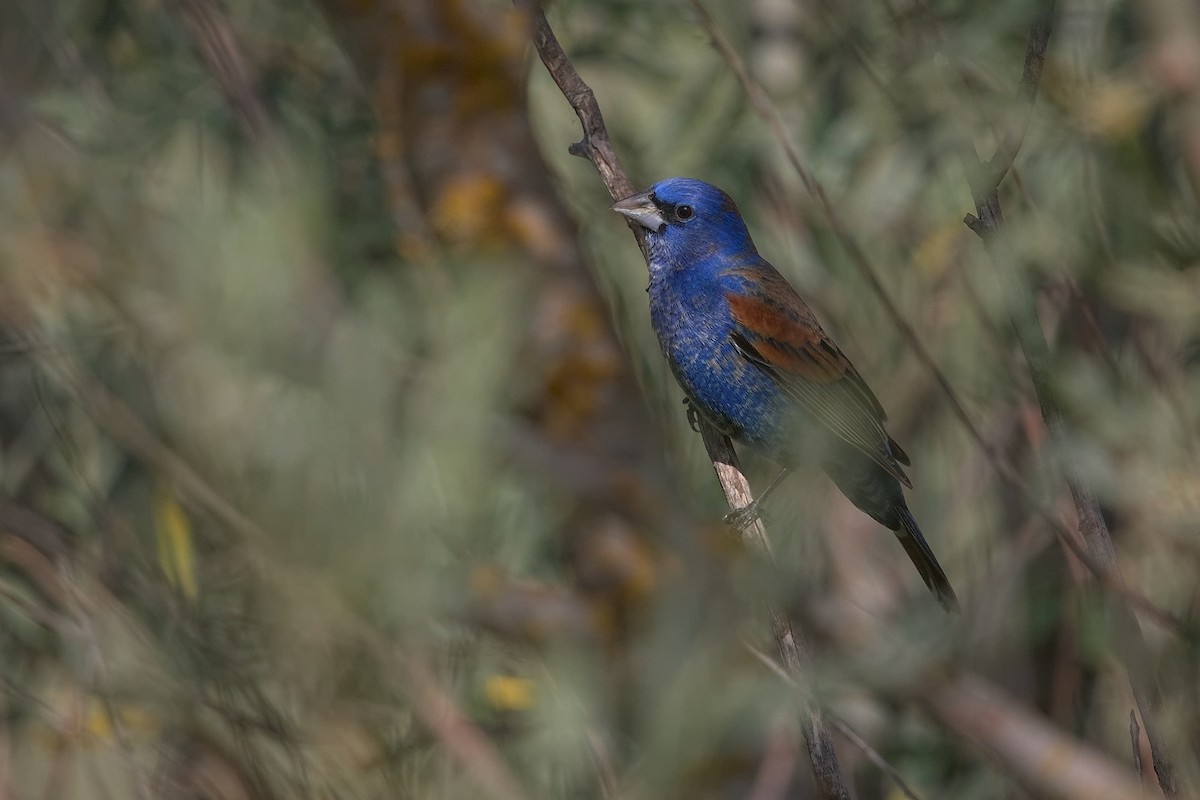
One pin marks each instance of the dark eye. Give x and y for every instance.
(683, 213)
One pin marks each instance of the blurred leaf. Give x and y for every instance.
(176, 550)
(508, 692)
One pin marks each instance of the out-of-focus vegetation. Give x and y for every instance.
(338, 459)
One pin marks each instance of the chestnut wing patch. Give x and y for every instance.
(779, 334)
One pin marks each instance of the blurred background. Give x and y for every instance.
(337, 457)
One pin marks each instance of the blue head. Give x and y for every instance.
(687, 222)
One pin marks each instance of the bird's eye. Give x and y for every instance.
(683, 213)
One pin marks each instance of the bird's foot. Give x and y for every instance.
(742, 518)
(693, 416)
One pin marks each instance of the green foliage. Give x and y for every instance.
(262, 464)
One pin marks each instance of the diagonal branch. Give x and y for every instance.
(1097, 541)
(1038, 755)
(1031, 76)
(433, 704)
(222, 53)
(1173, 30)
(597, 147)
(1032, 751)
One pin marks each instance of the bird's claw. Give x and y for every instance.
(693, 416)
(742, 518)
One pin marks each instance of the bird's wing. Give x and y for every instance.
(777, 332)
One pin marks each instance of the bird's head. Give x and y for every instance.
(687, 221)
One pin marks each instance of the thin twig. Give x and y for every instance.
(222, 54)
(988, 222)
(1031, 75)
(1135, 742)
(793, 650)
(597, 147)
(463, 738)
(875, 758)
(843, 727)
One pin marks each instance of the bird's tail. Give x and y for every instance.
(909, 534)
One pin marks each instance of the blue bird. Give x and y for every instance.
(754, 361)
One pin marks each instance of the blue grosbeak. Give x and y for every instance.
(755, 363)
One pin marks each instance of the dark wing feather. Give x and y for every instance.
(777, 332)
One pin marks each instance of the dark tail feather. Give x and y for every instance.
(926, 563)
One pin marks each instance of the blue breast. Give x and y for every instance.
(691, 318)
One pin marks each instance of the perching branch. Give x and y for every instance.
(597, 148)
(595, 145)
(1101, 556)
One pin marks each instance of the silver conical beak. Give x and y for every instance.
(641, 209)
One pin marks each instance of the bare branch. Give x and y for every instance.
(1135, 742)
(596, 146)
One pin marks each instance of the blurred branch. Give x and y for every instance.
(435, 707)
(875, 757)
(132, 433)
(843, 728)
(222, 53)
(596, 147)
(985, 191)
(793, 650)
(1045, 760)
(1135, 742)
(414, 239)
(766, 110)
(461, 737)
(1101, 555)
(1031, 75)
(1174, 26)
